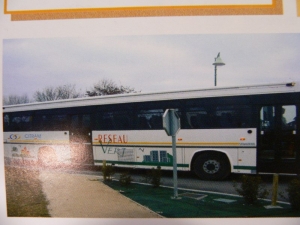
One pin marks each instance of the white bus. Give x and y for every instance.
(246, 129)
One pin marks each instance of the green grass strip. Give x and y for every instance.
(24, 193)
(160, 200)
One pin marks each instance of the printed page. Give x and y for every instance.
(141, 47)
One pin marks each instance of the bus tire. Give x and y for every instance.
(212, 166)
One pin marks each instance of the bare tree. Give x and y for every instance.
(15, 99)
(108, 87)
(67, 91)
(56, 93)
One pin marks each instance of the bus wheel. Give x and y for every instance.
(212, 166)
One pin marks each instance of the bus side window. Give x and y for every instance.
(43, 122)
(226, 120)
(86, 121)
(6, 122)
(26, 122)
(156, 122)
(38, 122)
(143, 123)
(59, 122)
(149, 119)
(21, 123)
(122, 122)
(106, 123)
(197, 118)
(16, 123)
(194, 122)
(74, 121)
(227, 116)
(235, 116)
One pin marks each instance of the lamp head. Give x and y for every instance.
(218, 61)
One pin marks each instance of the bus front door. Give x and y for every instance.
(277, 148)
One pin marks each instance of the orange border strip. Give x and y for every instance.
(298, 7)
(276, 8)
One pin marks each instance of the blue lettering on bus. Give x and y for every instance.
(33, 136)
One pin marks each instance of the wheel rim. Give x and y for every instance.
(211, 166)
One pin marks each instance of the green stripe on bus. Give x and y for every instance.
(244, 167)
(141, 163)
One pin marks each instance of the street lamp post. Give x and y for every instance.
(218, 62)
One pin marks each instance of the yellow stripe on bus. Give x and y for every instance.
(170, 143)
(38, 141)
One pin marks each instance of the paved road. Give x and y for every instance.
(83, 196)
(189, 181)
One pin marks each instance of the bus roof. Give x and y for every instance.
(159, 96)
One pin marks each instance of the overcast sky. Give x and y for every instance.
(149, 63)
